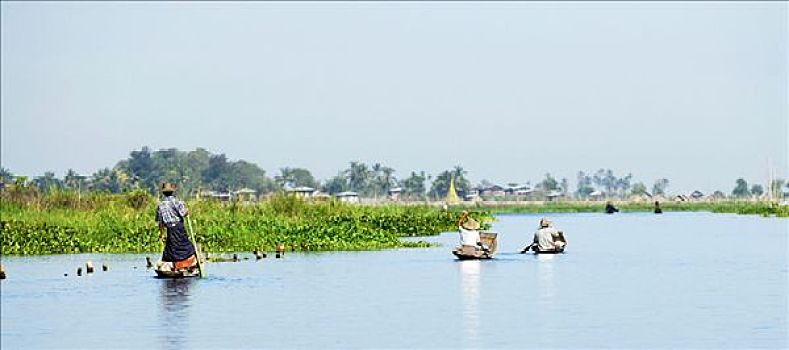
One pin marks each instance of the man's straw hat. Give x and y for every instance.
(168, 187)
(471, 224)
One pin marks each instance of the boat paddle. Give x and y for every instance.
(194, 242)
(527, 248)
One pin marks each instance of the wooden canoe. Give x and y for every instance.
(549, 251)
(467, 252)
(178, 274)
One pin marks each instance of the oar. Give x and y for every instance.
(526, 248)
(194, 242)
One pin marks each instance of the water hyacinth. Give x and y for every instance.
(125, 224)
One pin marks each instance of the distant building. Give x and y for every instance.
(473, 197)
(696, 195)
(394, 193)
(596, 195)
(215, 195)
(553, 195)
(246, 195)
(320, 196)
(518, 190)
(302, 191)
(523, 191)
(348, 197)
(493, 191)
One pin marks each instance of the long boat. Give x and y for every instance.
(189, 273)
(549, 251)
(467, 252)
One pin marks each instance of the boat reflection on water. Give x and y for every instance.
(470, 288)
(546, 306)
(545, 279)
(174, 312)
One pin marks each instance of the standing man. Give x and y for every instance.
(657, 208)
(179, 253)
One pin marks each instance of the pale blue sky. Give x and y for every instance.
(695, 92)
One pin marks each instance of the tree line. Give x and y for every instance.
(200, 170)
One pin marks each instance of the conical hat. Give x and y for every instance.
(471, 224)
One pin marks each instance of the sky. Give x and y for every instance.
(693, 92)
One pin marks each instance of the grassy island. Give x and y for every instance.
(124, 223)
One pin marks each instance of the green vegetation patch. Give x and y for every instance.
(737, 207)
(125, 224)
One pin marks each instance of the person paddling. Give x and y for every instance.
(179, 253)
(547, 238)
(610, 208)
(469, 231)
(657, 208)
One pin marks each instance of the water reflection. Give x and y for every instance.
(174, 312)
(545, 280)
(469, 284)
(546, 307)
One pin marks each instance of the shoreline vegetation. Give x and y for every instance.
(723, 206)
(124, 223)
(65, 222)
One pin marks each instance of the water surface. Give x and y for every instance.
(678, 280)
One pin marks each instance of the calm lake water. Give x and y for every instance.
(680, 280)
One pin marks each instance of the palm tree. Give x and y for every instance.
(359, 177)
(382, 179)
(388, 175)
(659, 188)
(102, 180)
(377, 180)
(459, 172)
(71, 179)
(285, 177)
(47, 182)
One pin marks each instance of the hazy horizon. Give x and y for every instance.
(692, 92)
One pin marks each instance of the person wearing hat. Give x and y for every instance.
(469, 231)
(179, 253)
(610, 208)
(548, 238)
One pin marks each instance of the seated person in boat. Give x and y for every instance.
(657, 208)
(548, 238)
(179, 253)
(610, 208)
(469, 232)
